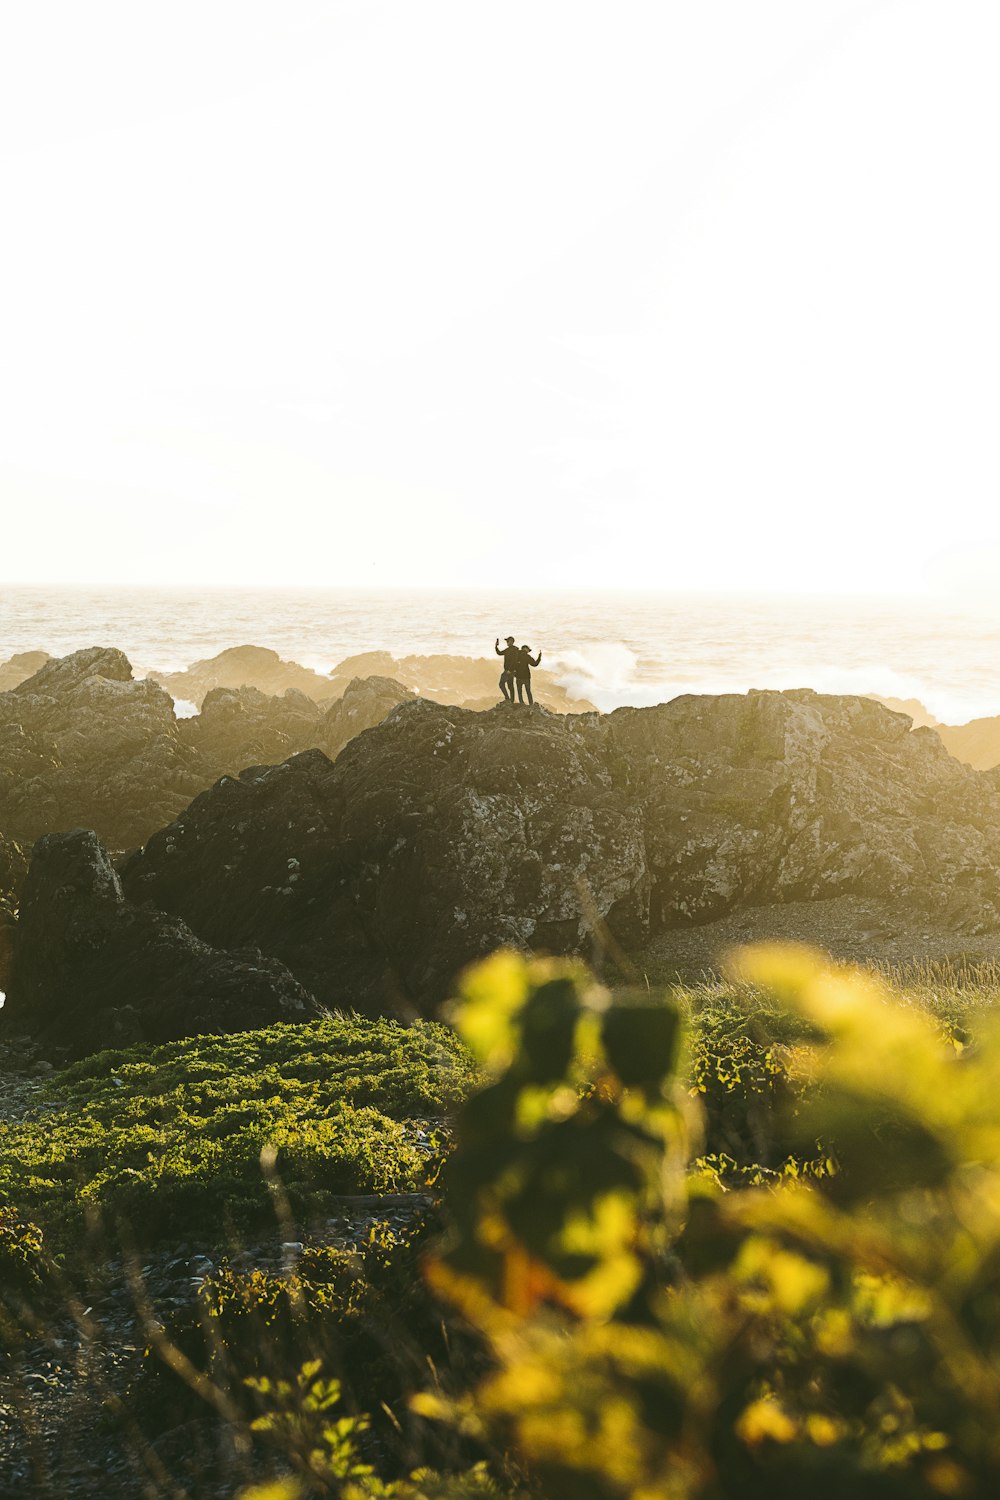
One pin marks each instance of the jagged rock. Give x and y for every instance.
(922, 717)
(428, 843)
(81, 742)
(240, 727)
(244, 666)
(365, 703)
(976, 743)
(91, 971)
(440, 834)
(798, 796)
(19, 667)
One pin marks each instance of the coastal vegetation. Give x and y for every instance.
(732, 1237)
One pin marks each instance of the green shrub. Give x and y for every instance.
(172, 1138)
(656, 1335)
(20, 1251)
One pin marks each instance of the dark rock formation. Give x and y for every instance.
(82, 743)
(799, 796)
(244, 666)
(435, 838)
(13, 869)
(20, 667)
(366, 702)
(441, 833)
(90, 971)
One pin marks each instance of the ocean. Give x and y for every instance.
(613, 648)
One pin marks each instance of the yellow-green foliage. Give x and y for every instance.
(20, 1249)
(171, 1138)
(658, 1336)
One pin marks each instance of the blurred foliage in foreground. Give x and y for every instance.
(657, 1335)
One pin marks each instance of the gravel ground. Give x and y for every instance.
(849, 928)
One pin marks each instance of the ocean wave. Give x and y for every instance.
(610, 677)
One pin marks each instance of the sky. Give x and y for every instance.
(697, 295)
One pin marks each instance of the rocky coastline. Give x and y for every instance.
(276, 854)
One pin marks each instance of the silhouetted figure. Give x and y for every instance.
(511, 657)
(522, 673)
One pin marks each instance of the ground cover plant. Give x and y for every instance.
(171, 1138)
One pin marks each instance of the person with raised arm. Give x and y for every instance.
(511, 657)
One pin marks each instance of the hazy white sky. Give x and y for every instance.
(697, 294)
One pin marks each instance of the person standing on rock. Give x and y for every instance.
(522, 674)
(511, 657)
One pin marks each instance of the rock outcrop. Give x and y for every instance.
(976, 743)
(921, 717)
(441, 834)
(91, 971)
(81, 742)
(460, 680)
(366, 701)
(19, 668)
(244, 666)
(240, 727)
(434, 838)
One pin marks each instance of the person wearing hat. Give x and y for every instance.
(522, 674)
(511, 657)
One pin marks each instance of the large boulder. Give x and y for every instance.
(91, 971)
(81, 742)
(800, 796)
(434, 838)
(244, 666)
(440, 834)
